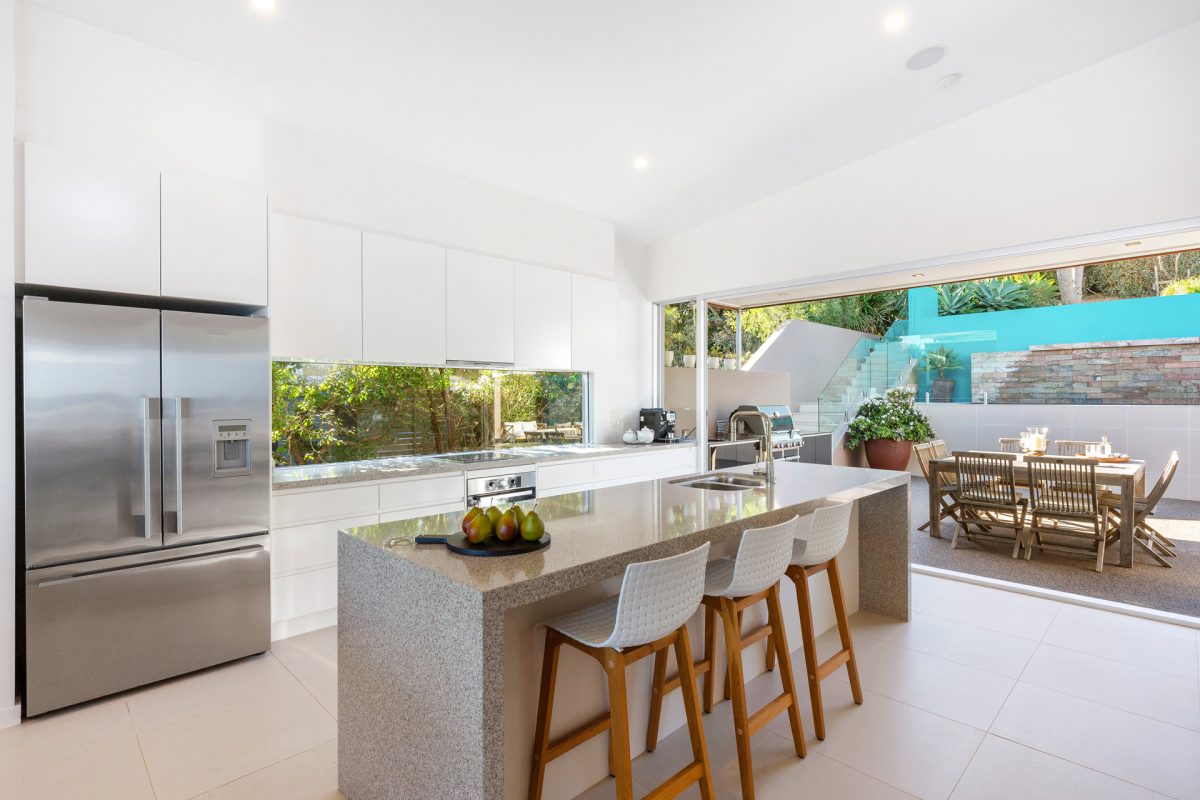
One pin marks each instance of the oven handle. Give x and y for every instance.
(496, 497)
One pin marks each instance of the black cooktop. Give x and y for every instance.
(478, 457)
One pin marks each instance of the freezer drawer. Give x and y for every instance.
(105, 626)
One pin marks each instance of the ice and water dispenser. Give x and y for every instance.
(231, 447)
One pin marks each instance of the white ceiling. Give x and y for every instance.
(729, 101)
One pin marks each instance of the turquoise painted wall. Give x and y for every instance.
(1004, 331)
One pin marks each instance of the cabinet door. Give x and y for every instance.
(479, 308)
(543, 318)
(90, 224)
(316, 290)
(594, 323)
(214, 241)
(404, 301)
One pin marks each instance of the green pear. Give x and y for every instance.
(507, 528)
(479, 529)
(519, 513)
(532, 528)
(472, 513)
(493, 513)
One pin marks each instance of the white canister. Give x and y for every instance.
(645, 436)
(629, 437)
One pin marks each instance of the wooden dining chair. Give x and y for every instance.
(1066, 515)
(947, 489)
(989, 506)
(1146, 536)
(1010, 445)
(1072, 447)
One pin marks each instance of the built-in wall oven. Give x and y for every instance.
(501, 485)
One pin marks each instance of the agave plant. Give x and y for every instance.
(998, 294)
(956, 298)
(1041, 288)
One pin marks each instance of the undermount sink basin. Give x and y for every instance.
(723, 482)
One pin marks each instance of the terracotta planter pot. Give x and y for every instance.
(888, 454)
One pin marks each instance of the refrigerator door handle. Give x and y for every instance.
(147, 461)
(178, 403)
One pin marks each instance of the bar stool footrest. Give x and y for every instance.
(674, 785)
(768, 712)
(578, 736)
(832, 664)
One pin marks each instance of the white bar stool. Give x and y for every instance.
(820, 537)
(649, 615)
(730, 587)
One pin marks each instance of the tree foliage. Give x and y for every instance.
(324, 413)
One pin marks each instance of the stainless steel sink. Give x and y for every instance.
(722, 481)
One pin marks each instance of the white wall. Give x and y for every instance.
(94, 92)
(1145, 432)
(313, 176)
(1110, 146)
(809, 351)
(9, 711)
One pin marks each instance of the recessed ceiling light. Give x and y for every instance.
(918, 274)
(265, 6)
(927, 57)
(641, 162)
(894, 23)
(1134, 243)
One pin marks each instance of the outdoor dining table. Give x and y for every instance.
(1129, 478)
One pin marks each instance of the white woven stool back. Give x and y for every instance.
(762, 558)
(823, 534)
(657, 597)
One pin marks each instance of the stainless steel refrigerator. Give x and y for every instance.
(146, 490)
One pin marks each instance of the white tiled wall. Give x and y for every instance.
(1148, 432)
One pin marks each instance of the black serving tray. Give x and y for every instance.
(458, 543)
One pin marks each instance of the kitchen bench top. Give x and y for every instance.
(426, 636)
(379, 469)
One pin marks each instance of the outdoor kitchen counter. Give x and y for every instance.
(379, 469)
(427, 636)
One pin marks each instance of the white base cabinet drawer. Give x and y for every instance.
(308, 546)
(571, 473)
(296, 506)
(424, 492)
(456, 507)
(303, 593)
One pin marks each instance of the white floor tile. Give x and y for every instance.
(308, 654)
(1164, 697)
(961, 643)
(113, 770)
(865, 623)
(170, 701)
(311, 775)
(926, 589)
(996, 610)
(961, 693)
(203, 752)
(1003, 770)
(913, 750)
(45, 743)
(324, 687)
(1144, 643)
(1143, 751)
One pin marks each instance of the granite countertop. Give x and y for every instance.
(381, 469)
(595, 533)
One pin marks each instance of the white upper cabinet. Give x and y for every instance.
(316, 290)
(479, 308)
(543, 318)
(214, 241)
(594, 323)
(90, 224)
(404, 301)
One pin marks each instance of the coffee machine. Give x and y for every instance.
(661, 421)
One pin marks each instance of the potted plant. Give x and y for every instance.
(941, 359)
(888, 427)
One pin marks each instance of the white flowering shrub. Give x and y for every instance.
(893, 416)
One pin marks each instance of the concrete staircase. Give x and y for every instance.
(870, 369)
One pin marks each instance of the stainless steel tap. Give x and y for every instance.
(765, 455)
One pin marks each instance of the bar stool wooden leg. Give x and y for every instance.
(843, 623)
(777, 643)
(541, 734)
(691, 706)
(710, 649)
(741, 721)
(621, 766)
(657, 690)
(809, 640)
